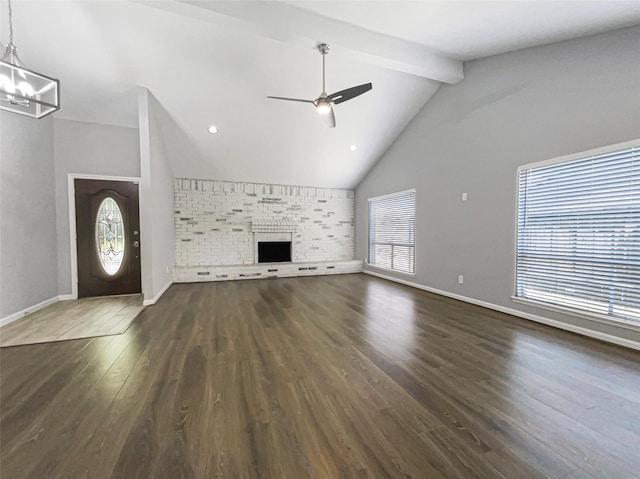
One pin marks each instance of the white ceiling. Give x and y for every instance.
(467, 30)
(215, 62)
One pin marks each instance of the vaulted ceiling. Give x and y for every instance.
(215, 62)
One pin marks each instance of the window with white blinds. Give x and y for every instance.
(392, 227)
(578, 243)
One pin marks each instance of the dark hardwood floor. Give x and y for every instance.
(325, 377)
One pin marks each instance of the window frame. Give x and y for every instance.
(579, 313)
(415, 241)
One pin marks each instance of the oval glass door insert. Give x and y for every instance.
(110, 236)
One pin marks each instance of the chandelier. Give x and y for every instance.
(24, 91)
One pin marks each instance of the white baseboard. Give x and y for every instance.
(66, 297)
(514, 312)
(149, 302)
(31, 309)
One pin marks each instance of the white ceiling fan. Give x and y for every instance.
(324, 103)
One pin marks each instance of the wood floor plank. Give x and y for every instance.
(86, 369)
(15, 385)
(344, 376)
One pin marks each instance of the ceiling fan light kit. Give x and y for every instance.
(24, 91)
(324, 103)
(323, 106)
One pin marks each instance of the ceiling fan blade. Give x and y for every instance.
(290, 99)
(349, 93)
(330, 119)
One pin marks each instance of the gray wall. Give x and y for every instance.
(510, 109)
(89, 149)
(27, 213)
(156, 201)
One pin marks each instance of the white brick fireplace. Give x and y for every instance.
(219, 225)
(265, 231)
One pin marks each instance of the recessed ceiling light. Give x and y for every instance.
(353, 148)
(213, 129)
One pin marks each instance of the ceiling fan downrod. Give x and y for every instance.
(323, 48)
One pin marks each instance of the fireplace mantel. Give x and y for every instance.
(268, 226)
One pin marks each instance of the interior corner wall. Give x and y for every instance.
(28, 264)
(510, 110)
(157, 232)
(87, 149)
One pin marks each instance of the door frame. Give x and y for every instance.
(73, 246)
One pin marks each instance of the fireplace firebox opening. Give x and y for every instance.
(274, 251)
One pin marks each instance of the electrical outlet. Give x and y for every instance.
(460, 279)
(464, 196)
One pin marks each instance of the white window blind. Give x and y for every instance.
(392, 220)
(578, 241)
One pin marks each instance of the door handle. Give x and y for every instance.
(136, 244)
